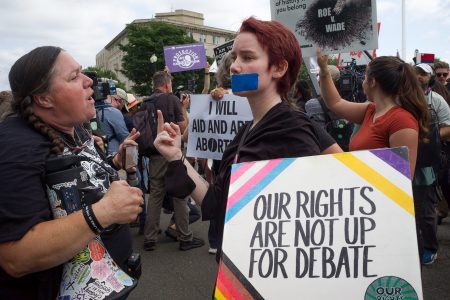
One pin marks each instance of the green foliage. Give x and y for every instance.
(148, 39)
(303, 74)
(103, 73)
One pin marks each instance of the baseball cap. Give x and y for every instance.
(426, 68)
(121, 94)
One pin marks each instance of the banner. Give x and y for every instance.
(187, 57)
(334, 26)
(220, 51)
(213, 124)
(337, 226)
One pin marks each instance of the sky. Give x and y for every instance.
(84, 27)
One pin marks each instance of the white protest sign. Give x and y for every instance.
(213, 124)
(335, 226)
(334, 26)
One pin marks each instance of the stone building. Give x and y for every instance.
(110, 57)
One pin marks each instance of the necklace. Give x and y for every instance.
(74, 143)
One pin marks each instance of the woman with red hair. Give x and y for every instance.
(270, 54)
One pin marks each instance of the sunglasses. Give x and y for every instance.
(441, 74)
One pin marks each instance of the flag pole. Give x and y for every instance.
(403, 32)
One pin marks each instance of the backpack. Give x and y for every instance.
(145, 121)
(340, 129)
(430, 154)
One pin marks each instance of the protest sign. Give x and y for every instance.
(213, 124)
(337, 226)
(359, 58)
(187, 57)
(334, 26)
(220, 51)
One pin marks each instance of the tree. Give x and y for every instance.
(103, 73)
(148, 39)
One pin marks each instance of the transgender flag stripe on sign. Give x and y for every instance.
(255, 185)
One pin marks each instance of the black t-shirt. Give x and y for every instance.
(24, 203)
(282, 133)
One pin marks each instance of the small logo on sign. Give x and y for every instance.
(185, 59)
(390, 288)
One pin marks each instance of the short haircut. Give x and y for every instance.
(441, 65)
(160, 78)
(281, 45)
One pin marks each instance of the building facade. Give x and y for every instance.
(110, 57)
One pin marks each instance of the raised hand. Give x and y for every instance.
(168, 140)
(322, 60)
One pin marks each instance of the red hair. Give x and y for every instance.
(280, 44)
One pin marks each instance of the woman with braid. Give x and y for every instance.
(52, 99)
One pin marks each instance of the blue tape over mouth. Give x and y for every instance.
(244, 82)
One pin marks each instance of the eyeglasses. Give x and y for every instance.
(120, 100)
(442, 75)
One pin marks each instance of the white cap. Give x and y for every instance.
(426, 68)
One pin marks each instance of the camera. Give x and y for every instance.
(102, 86)
(350, 82)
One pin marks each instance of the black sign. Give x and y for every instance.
(220, 51)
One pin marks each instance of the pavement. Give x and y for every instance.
(169, 273)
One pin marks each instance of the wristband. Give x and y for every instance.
(206, 73)
(91, 220)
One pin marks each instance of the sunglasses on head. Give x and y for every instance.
(441, 74)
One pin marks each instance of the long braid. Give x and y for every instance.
(26, 112)
(31, 75)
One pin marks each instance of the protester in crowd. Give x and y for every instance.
(277, 130)
(193, 211)
(302, 93)
(111, 121)
(440, 89)
(396, 114)
(52, 99)
(426, 187)
(340, 129)
(170, 106)
(129, 103)
(314, 109)
(223, 79)
(5, 103)
(442, 73)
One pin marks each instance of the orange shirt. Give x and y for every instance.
(373, 135)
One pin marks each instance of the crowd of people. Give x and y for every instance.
(50, 102)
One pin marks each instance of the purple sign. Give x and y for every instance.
(187, 57)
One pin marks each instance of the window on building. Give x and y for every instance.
(215, 40)
(203, 38)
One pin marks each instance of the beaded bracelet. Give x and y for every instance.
(91, 220)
